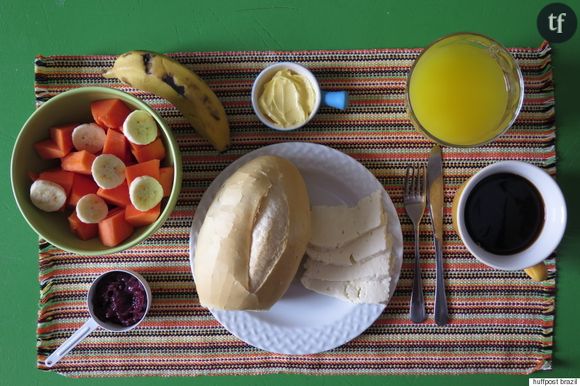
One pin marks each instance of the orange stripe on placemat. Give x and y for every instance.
(405, 358)
(97, 271)
(482, 322)
(499, 322)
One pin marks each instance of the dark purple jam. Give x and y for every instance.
(120, 299)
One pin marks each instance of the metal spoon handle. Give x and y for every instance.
(441, 312)
(80, 334)
(418, 314)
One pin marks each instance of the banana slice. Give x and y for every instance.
(91, 209)
(47, 195)
(140, 127)
(90, 137)
(145, 193)
(108, 171)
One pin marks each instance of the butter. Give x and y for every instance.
(287, 99)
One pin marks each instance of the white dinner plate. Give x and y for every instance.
(302, 321)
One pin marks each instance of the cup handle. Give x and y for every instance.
(336, 99)
(89, 326)
(537, 272)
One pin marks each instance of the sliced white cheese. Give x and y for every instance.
(374, 268)
(370, 244)
(374, 291)
(335, 226)
(357, 291)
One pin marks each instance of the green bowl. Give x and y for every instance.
(74, 106)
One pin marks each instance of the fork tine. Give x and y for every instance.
(424, 190)
(417, 182)
(419, 178)
(413, 181)
(407, 180)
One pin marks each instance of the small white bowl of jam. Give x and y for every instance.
(286, 96)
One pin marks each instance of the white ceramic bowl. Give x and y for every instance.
(267, 74)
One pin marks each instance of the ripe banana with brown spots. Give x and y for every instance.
(169, 79)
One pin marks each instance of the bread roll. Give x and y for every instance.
(254, 236)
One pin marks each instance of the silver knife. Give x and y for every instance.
(435, 194)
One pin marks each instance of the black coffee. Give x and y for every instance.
(504, 213)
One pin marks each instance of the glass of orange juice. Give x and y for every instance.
(464, 90)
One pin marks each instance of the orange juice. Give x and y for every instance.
(458, 93)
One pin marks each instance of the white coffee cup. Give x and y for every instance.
(531, 258)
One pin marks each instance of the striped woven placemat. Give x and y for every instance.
(501, 322)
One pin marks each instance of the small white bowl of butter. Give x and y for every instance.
(286, 96)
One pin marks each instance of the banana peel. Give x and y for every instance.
(169, 79)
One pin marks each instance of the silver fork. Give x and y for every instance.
(415, 200)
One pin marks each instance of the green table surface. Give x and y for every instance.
(80, 27)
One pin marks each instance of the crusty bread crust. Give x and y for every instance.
(269, 195)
